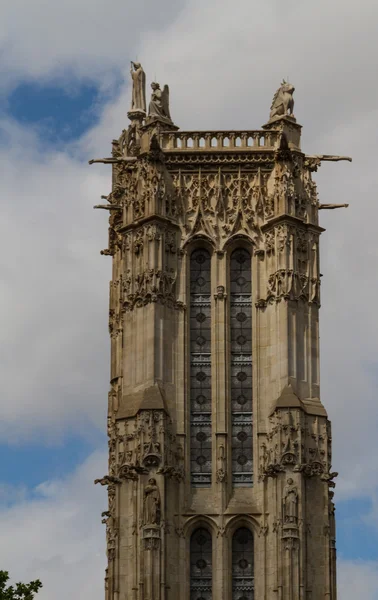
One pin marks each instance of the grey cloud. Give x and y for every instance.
(58, 537)
(80, 38)
(54, 366)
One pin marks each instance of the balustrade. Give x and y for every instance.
(218, 140)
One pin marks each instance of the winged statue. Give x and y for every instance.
(159, 103)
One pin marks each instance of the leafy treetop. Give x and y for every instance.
(20, 591)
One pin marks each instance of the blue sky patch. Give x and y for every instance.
(35, 463)
(356, 537)
(60, 114)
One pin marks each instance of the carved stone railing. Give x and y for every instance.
(208, 141)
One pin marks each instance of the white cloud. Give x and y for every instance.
(54, 356)
(357, 579)
(85, 39)
(58, 537)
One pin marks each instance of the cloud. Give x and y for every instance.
(57, 536)
(54, 356)
(80, 39)
(357, 579)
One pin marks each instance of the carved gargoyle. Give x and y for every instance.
(108, 479)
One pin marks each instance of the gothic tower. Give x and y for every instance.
(220, 482)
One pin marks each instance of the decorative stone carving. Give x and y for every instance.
(146, 443)
(138, 77)
(151, 503)
(170, 242)
(115, 241)
(159, 103)
(220, 205)
(151, 538)
(295, 442)
(153, 285)
(288, 285)
(283, 101)
(220, 293)
(221, 474)
(290, 503)
(263, 530)
(277, 524)
(107, 480)
(284, 235)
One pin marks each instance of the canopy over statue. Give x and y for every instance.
(159, 103)
(138, 101)
(283, 101)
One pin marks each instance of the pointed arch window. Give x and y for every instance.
(200, 368)
(201, 565)
(242, 565)
(241, 367)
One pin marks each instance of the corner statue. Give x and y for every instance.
(290, 503)
(152, 508)
(283, 101)
(138, 76)
(159, 104)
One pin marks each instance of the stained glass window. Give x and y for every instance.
(242, 565)
(201, 565)
(200, 368)
(241, 367)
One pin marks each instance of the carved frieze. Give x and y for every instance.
(147, 442)
(220, 203)
(152, 285)
(291, 265)
(296, 442)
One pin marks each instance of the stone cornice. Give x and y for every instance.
(160, 219)
(296, 221)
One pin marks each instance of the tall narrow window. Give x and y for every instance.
(241, 367)
(201, 565)
(242, 565)
(200, 368)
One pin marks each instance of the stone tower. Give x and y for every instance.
(220, 482)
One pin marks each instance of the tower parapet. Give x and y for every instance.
(219, 446)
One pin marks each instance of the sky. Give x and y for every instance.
(64, 95)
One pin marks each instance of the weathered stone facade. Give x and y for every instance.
(181, 514)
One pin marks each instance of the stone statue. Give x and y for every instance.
(283, 100)
(151, 503)
(290, 503)
(138, 76)
(159, 104)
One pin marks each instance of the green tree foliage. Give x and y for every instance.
(20, 591)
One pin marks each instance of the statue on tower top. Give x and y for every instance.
(138, 76)
(159, 104)
(283, 101)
